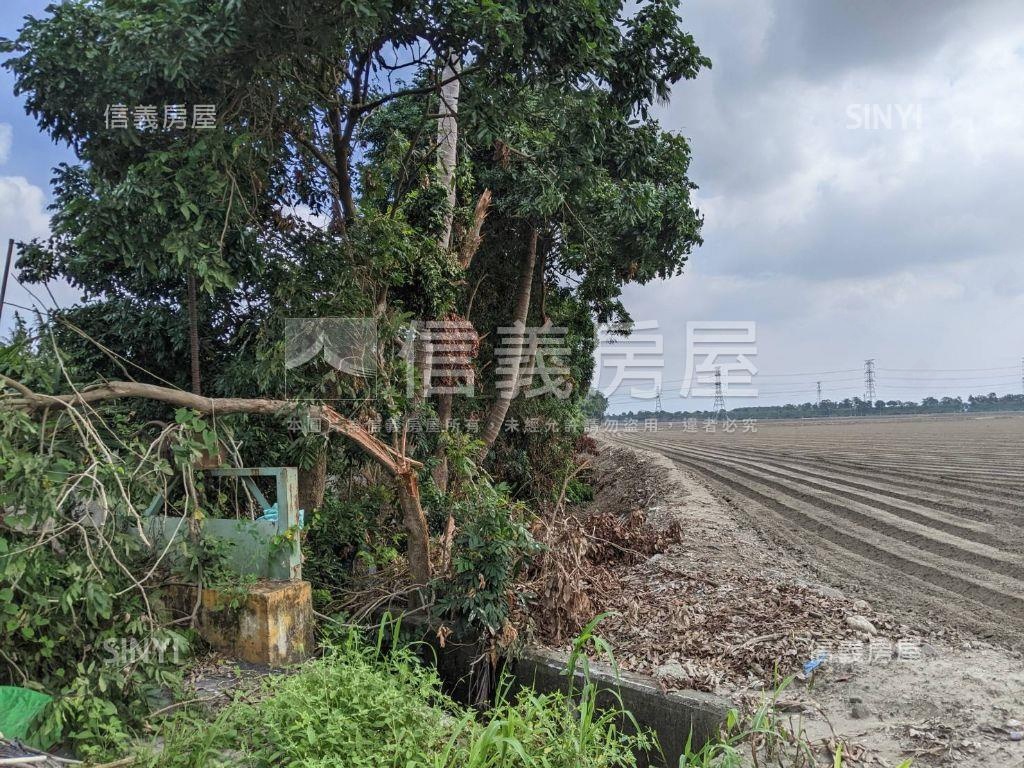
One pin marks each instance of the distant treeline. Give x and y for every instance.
(848, 407)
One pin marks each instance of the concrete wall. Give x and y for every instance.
(674, 717)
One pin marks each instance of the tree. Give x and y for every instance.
(595, 405)
(343, 179)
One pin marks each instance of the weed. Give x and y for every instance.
(360, 705)
(764, 736)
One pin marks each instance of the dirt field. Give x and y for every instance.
(921, 515)
(789, 532)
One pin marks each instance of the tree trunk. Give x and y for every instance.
(448, 142)
(193, 333)
(499, 408)
(447, 159)
(418, 546)
(313, 483)
(342, 161)
(467, 251)
(444, 417)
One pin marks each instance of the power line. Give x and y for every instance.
(766, 387)
(941, 379)
(944, 370)
(897, 382)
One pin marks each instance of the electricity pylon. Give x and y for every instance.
(719, 405)
(869, 382)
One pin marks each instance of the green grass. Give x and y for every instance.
(358, 706)
(361, 705)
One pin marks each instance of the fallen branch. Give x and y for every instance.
(401, 468)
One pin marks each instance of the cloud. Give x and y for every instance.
(859, 169)
(23, 216)
(936, 319)
(888, 166)
(22, 209)
(22, 204)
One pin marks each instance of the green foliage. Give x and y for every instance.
(492, 546)
(74, 622)
(313, 197)
(80, 586)
(594, 405)
(359, 706)
(193, 439)
(348, 534)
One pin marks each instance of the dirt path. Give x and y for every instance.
(787, 542)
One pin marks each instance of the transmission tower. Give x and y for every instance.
(719, 405)
(1022, 375)
(818, 402)
(657, 403)
(869, 381)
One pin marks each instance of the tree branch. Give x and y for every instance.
(300, 138)
(371, 105)
(400, 467)
(390, 459)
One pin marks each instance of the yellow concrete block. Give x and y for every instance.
(271, 623)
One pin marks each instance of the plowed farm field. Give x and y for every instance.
(922, 514)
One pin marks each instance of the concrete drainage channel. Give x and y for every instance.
(672, 716)
(675, 717)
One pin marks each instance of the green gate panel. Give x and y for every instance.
(253, 549)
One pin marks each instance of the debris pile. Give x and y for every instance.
(577, 566)
(687, 624)
(691, 629)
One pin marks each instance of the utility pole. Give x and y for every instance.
(719, 405)
(869, 382)
(818, 402)
(7, 273)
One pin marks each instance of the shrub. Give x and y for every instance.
(492, 546)
(74, 620)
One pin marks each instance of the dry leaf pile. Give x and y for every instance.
(687, 627)
(696, 630)
(578, 565)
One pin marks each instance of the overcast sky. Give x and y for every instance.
(842, 234)
(860, 165)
